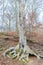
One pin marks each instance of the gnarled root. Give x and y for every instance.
(22, 54)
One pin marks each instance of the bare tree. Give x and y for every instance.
(24, 50)
(32, 19)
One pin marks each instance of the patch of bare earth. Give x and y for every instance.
(9, 41)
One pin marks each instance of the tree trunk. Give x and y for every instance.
(22, 37)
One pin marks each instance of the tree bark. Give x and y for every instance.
(22, 37)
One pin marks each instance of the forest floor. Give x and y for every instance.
(9, 40)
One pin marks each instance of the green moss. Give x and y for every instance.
(24, 60)
(7, 52)
(1, 49)
(17, 50)
(13, 56)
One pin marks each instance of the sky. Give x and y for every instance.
(9, 8)
(41, 17)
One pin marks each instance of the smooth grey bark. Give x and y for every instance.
(20, 15)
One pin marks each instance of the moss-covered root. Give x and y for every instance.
(25, 55)
(10, 50)
(28, 51)
(24, 58)
(22, 55)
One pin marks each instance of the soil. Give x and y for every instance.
(7, 41)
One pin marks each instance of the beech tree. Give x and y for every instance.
(21, 51)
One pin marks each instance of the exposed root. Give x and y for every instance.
(22, 55)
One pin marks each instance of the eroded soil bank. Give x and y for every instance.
(9, 41)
